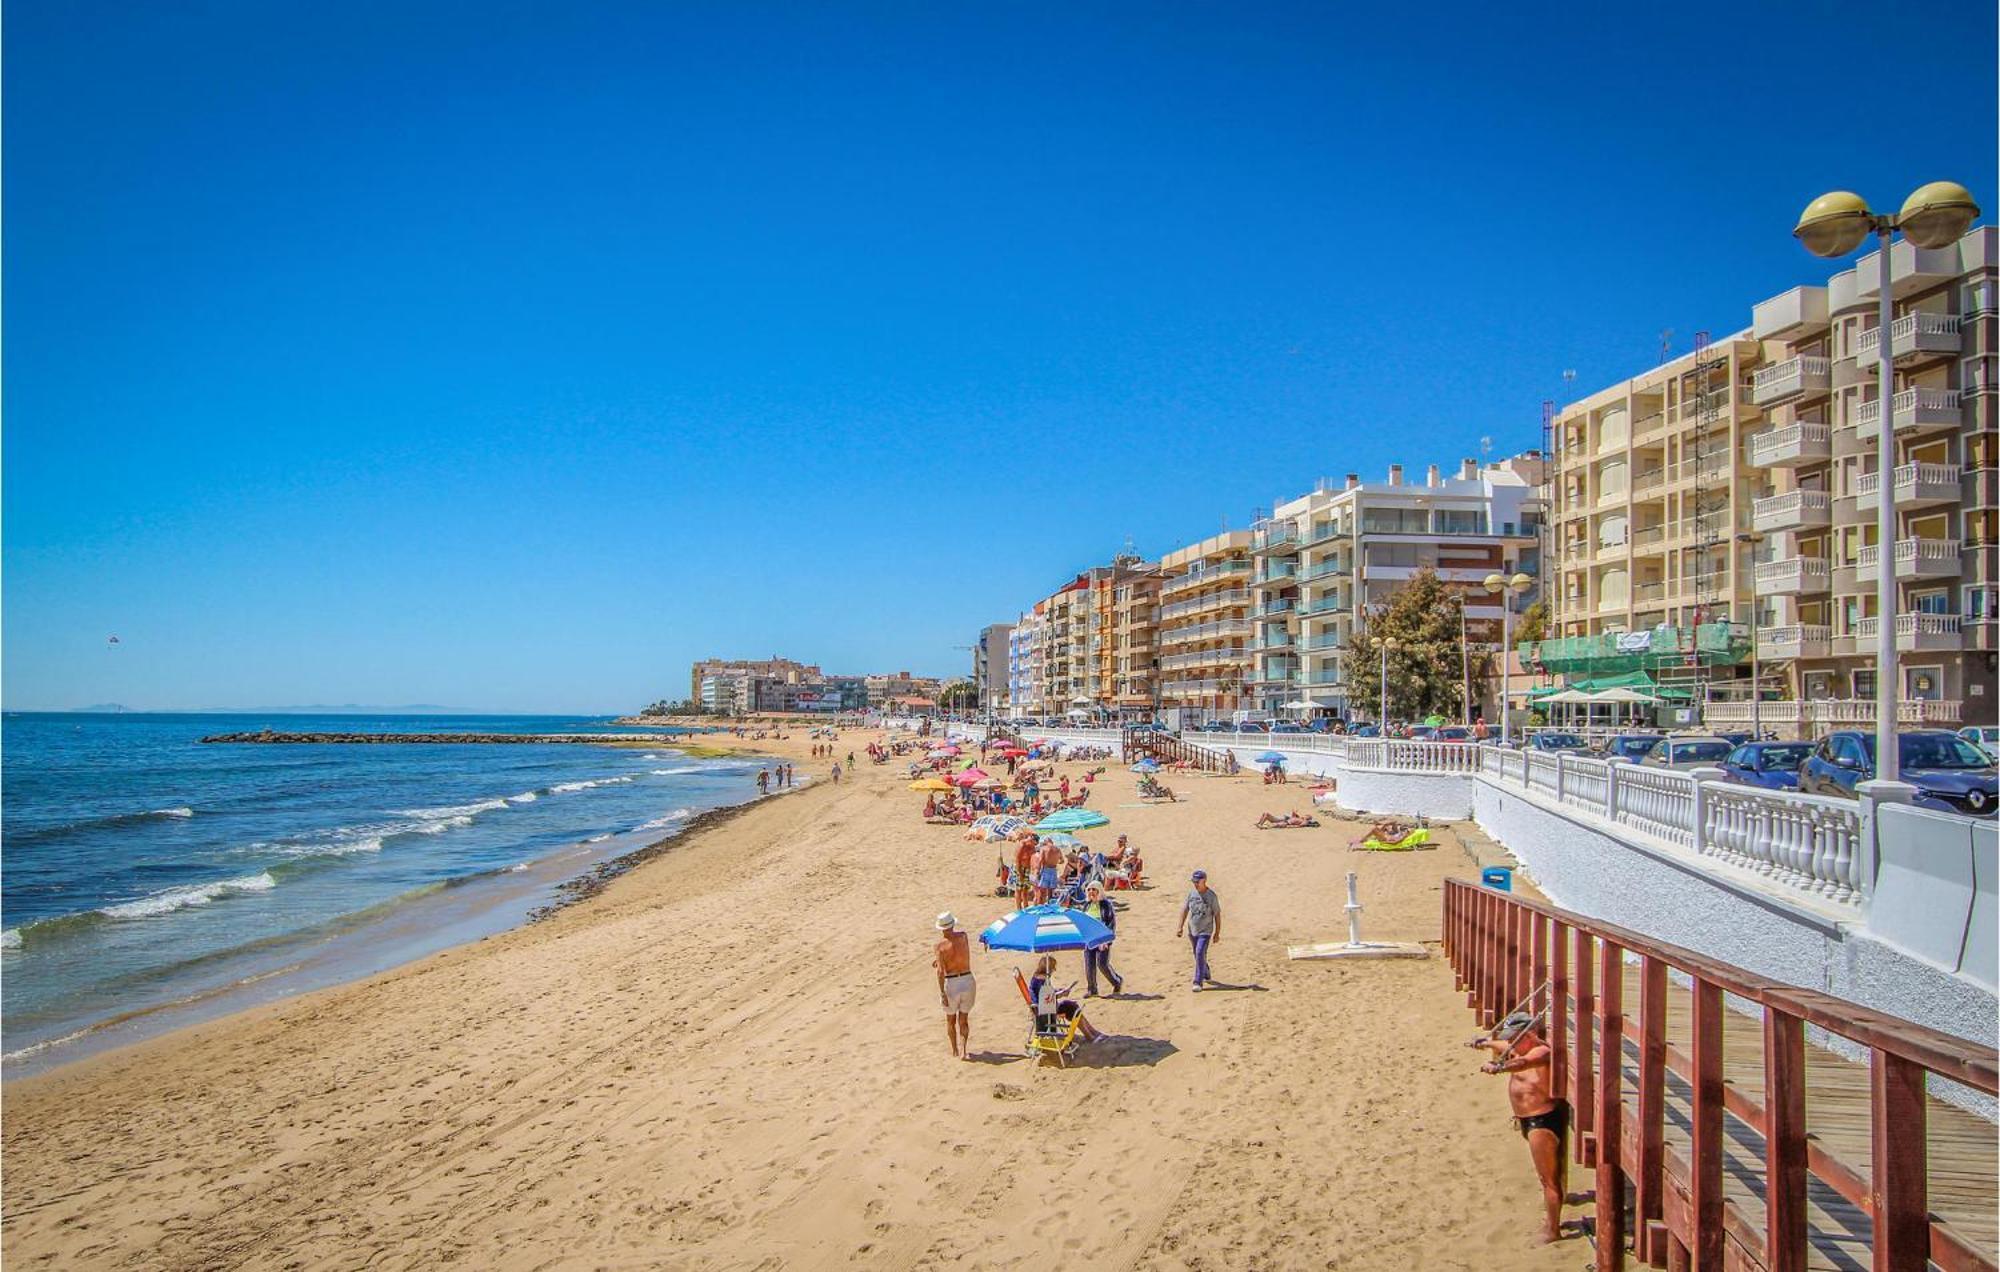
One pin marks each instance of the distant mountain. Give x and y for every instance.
(345, 708)
(103, 708)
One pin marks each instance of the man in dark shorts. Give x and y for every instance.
(1543, 1118)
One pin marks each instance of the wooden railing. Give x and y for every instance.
(1165, 748)
(1670, 1211)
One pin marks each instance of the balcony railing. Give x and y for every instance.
(1798, 640)
(1915, 559)
(1802, 443)
(1206, 657)
(1915, 484)
(1914, 411)
(1794, 574)
(1794, 510)
(1819, 715)
(1205, 631)
(1913, 631)
(1910, 336)
(1206, 575)
(1792, 378)
(1233, 596)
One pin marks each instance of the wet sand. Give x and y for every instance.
(732, 1056)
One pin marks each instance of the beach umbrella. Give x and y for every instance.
(1012, 752)
(1063, 841)
(930, 784)
(942, 753)
(1072, 819)
(970, 777)
(989, 783)
(965, 764)
(1270, 757)
(1147, 765)
(1044, 929)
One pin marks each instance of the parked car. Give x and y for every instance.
(1420, 732)
(1324, 724)
(1984, 736)
(1950, 774)
(1771, 765)
(1548, 740)
(1689, 752)
(1364, 731)
(1737, 738)
(1218, 726)
(1632, 746)
(1288, 728)
(1452, 733)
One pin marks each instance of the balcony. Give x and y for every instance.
(1917, 486)
(1274, 609)
(1915, 633)
(1800, 640)
(1275, 640)
(1206, 657)
(1325, 532)
(1797, 510)
(1274, 574)
(1280, 539)
(1914, 411)
(1794, 575)
(1793, 379)
(1912, 338)
(1818, 715)
(1649, 479)
(1232, 571)
(1790, 315)
(1233, 596)
(1205, 631)
(1789, 447)
(1648, 427)
(1915, 559)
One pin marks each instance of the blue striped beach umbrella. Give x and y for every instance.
(1270, 757)
(1147, 765)
(1044, 929)
(1063, 841)
(1072, 819)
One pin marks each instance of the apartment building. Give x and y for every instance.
(990, 663)
(1204, 625)
(1735, 492)
(1324, 560)
(1026, 693)
(736, 669)
(1819, 487)
(1133, 651)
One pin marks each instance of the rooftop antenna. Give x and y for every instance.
(1485, 446)
(1666, 343)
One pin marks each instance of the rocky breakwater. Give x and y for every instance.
(272, 737)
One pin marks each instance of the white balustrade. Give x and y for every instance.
(1657, 801)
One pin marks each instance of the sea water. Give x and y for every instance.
(147, 874)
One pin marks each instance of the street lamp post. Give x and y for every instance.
(1752, 538)
(1936, 215)
(1508, 588)
(1385, 644)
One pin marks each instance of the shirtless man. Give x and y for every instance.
(1024, 873)
(952, 956)
(1047, 864)
(1543, 1119)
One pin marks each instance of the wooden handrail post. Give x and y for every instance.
(1650, 1185)
(1705, 1186)
(1784, 1141)
(1559, 1030)
(1583, 1093)
(1610, 1113)
(1896, 1175)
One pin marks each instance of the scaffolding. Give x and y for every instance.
(1713, 471)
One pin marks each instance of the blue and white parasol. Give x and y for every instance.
(1044, 929)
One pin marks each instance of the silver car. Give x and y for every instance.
(1984, 736)
(1688, 752)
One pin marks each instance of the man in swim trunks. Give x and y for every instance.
(1024, 872)
(952, 956)
(1047, 864)
(1544, 1119)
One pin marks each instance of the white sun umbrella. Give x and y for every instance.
(1629, 697)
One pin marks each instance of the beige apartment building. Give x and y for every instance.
(1204, 625)
(1131, 655)
(1324, 560)
(1734, 492)
(1819, 486)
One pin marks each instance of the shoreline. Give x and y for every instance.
(381, 938)
(730, 1057)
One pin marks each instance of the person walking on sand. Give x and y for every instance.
(952, 956)
(1543, 1119)
(1201, 921)
(836, 772)
(763, 781)
(1099, 959)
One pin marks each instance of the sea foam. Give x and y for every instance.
(184, 898)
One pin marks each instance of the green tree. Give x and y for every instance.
(958, 697)
(1533, 624)
(1427, 667)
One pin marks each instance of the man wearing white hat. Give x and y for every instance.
(956, 989)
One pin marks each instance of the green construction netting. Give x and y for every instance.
(1650, 649)
(1630, 680)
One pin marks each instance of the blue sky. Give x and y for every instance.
(511, 356)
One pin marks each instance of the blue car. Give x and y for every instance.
(1771, 765)
(1633, 746)
(1551, 741)
(1365, 731)
(1950, 774)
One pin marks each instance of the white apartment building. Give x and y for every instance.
(1323, 560)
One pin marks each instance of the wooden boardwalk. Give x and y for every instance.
(1962, 1145)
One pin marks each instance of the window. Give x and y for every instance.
(1847, 751)
(1982, 604)
(1978, 296)
(1931, 602)
(1864, 685)
(1980, 450)
(1976, 374)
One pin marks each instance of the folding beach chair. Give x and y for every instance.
(1048, 1035)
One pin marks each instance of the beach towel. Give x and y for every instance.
(1418, 838)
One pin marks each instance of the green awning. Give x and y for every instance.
(1628, 680)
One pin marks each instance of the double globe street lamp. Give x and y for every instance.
(1936, 215)
(1385, 644)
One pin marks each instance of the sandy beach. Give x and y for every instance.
(733, 1058)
